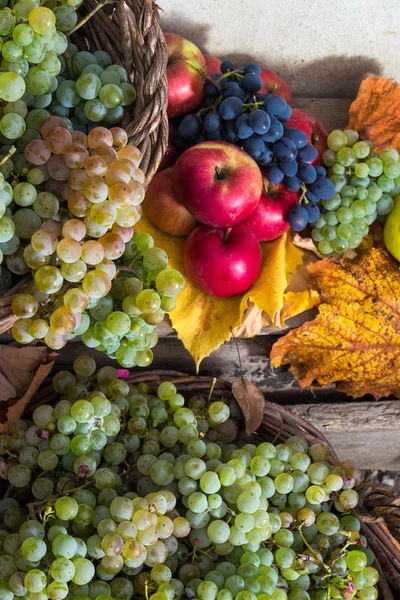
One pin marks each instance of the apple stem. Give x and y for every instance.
(226, 234)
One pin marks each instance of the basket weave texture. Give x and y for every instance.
(378, 511)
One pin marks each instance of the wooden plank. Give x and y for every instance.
(367, 433)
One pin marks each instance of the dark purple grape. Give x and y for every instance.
(229, 132)
(251, 83)
(254, 147)
(180, 142)
(285, 116)
(189, 126)
(312, 197)
(260, 121)
(208, 101)
(312, 211)
(288, 167)
(307, 173)
(297, 136)
(293, 184)
(275, 105)
(274, 174)
(215, 75)
(233, 89)
(226, 66)
(254, 69)
(210, 89)
(275, 132)
(265, 158)
(323, 188)
(284, 149)
(230, 108)
(298, 218)
(212, 121)
(307, 154)
(321, 172)
(214, 136)
(243, 128)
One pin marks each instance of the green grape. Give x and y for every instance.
(7, 229)
(339, 181)
(12, 86)
(11, 51)
(389, 154)
(374, 192)
(110, 77)
(19, 476)
(339, 245)
(384, 205)
(7, 22)
(344, 215)
(123, 76)
(345, 231)
(359, 209)
(26, 222)
(67, 94)
(356, 560)
(94, 110)
(331, 218)
(385, 183)
(328, 232)
(336, 140)
(129, 94)
(329, 158)
(37, 80)
(24, 194)
(170, 282)
(88, 86)
(34, 52)
(361, 150)
(338, 169)
(362, 193)
(333, 202)
(363, 181)
(66, 17)
(351, 136)
(346, 156)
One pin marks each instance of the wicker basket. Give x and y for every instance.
(130, 32)
(377, 503)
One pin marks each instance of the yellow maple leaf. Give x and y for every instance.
(354, 341)
(205, 322)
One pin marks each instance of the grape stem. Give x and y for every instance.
(214, 381)
(89, 16)
(5, 158)
(32, 505)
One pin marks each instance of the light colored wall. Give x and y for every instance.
(322, 48)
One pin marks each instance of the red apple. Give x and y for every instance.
(171, 153)
(269, 219)
(212, 64)
(314, 130)
(163, 208)
(184, 75)
(273, 84)
(218, 183)
(222, 262)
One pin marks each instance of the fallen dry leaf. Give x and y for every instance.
(375, 113)
(205, 322)
(354, 341)
(16, 368)
(251, 400)
(16, 410)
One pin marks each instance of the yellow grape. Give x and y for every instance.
(108, 266)
(118, 172)
(42, 19)
(53, 226)
(103, 213)
(96, 190)
(44, 242)
(96, 283)
(55, 340)
(128, 216)
(113, 245)
(125, 233)
(33, 259)
(78, 204)
(94, 230)
(69, 250)
(51, 123)
(77, 179)
(38, 328)
(73, 272)
(48, 279)
(121, 194)
(92, 252)
(131, 153)
(76, 300)
(75, 229)
(58, 139)
(37, 153)
(106, 152)
(57, 168)
(24, 305)
(63, 320)
(79, 137)
(75, 155)
(99, 136)
(140, 176)
(95, 166)
(120, 137)
(20, 331)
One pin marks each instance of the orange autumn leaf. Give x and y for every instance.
(375, 113)
(354, 341)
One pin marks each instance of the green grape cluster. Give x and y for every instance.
(93, 275)
(91, 90)
(365, 183)
(170, 501)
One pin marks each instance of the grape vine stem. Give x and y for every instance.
(32, 505)
(5, 158)
(89, 16)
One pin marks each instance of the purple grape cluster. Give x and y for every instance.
(235, 111)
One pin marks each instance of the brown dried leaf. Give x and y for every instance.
(7, 390)
(16, 410)
(251, 400)
(17, 366)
